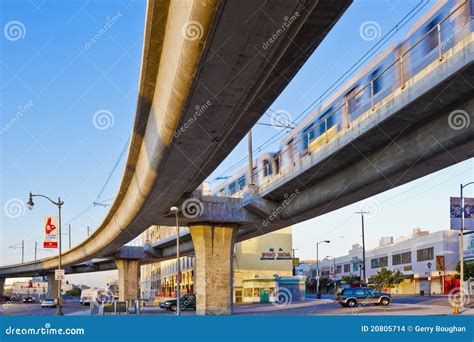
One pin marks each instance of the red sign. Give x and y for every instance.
(50, 232)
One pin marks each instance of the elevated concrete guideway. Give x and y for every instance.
(210, 54)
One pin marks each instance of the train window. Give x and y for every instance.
(308, 135)
(241, 181)
(432, 37)
(352, 98)
(377, 82)
(232, 188)
(267, 168)
(330, 119)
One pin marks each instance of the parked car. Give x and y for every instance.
(362, 295)
(187, 301)
(48, 303)
(28, 300)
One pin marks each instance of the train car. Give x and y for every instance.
(368, 86)
(265, 166)
(445, 24)
(437, 31)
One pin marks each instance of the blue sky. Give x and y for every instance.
(55, 83)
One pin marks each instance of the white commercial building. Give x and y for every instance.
(427, 261)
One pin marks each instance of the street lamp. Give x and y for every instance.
(59, 203)
(318, 294)
(429, 278)
(175, 210)
(461, 245)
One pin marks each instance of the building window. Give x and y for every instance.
(425, 254)
(379, 262)
(406, 258)
(338, 269)
(402, 258)
(347, 268)
(248, 292)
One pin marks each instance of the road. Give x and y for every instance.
(403, 305)
(20, 309)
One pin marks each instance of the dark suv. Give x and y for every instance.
(187, 301)
(362, 295)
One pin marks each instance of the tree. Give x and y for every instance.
(350, 279)
(387, 279)
(468, 270)
(75, 292)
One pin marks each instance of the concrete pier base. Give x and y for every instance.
(214, 247)
(128, 278)
(52, 286)
(2, 287)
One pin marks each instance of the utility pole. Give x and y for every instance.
(22, 251)
(251, 180)
(88, 230)
(363, 242)
(461, 245)
(175, 211)
(69, 236)
(36, 248)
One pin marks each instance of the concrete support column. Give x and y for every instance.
(214, 248)
(128, 278)
(2, 287)
(52, 286)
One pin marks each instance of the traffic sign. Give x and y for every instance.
(59, 274)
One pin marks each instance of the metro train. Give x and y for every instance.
(436, 32)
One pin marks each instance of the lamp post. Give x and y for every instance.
(429, 278)
(318, 294)
(461, 245)
(175, 211)
(59, 203)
